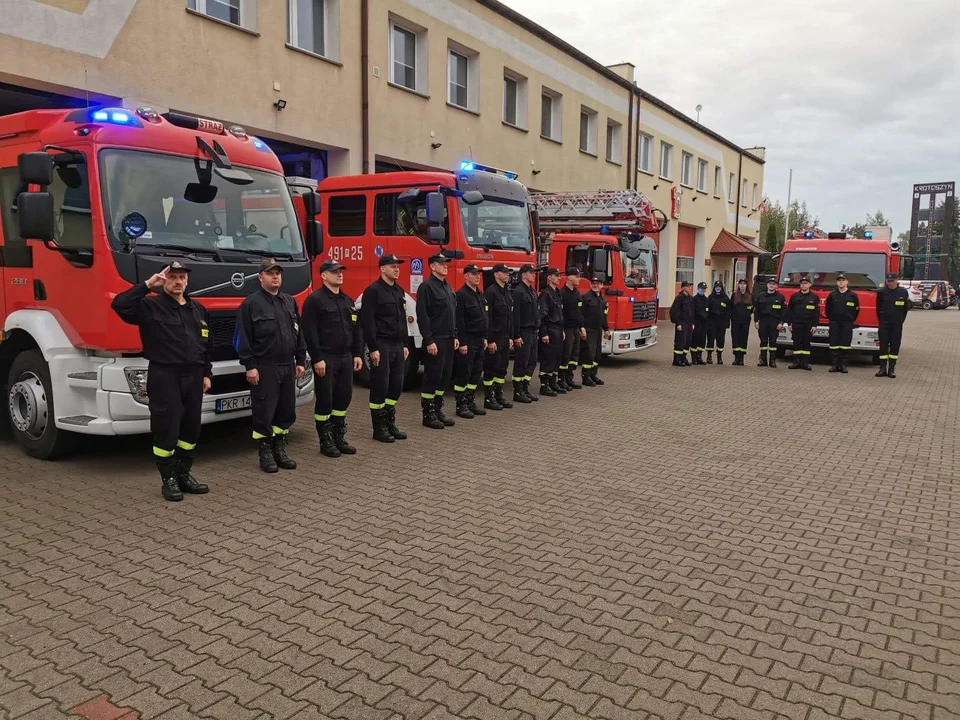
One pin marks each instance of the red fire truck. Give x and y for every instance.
(865, 261)
(476, 215)
(95, 200)
(608, 233)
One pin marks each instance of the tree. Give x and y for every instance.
(878, 219)
(774, 222)
(856, 231)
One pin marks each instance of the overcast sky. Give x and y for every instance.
(861, 98)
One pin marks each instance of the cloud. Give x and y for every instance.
(860, 98)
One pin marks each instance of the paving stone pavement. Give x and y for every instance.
(717, 542)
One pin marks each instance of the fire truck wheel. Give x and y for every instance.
(927, 305)
(31, 411)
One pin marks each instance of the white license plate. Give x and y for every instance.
(226, 405)
(821, 332)
(645, 332)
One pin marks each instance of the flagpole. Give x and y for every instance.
(786, 228)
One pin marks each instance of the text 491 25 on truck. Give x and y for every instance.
(96, 200)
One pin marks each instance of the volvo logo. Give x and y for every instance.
(237, 280)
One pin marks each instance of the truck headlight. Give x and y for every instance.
(623, 336)
(137, 382)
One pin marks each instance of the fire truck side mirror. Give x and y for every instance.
(35, 216)
(311, 203)
(314, 238)
(35, 168)
(436, 233)
(535, 219)
(600, 261)
(435, 207)
(908, 268)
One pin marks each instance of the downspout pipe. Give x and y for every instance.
(365, 84)
(736, 209)
(629, 184)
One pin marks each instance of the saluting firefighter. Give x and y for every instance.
(472, 330)
(768, 318)
(803, 315)
(741, 308)
(526, 323)
(595, 310)
(551, 335)
(893, 304)
(175, 334)
(436, 315)
(273, 351)
(701, 317)
(383, 319)
(332, 331)
(496, 360)
(573, 329)
(683, 317)
(843, 307)
(718, 319)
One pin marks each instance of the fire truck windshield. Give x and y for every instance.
(638, 273)
(497, 224)
(187, 205)
(863, 270)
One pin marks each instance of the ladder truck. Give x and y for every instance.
(613, 234)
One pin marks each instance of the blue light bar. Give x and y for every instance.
(604, 229)
(119, 117)
(868, 235)
(511, 175)
(808, 234)
(467, 166)
(101, 116)
(116, 116)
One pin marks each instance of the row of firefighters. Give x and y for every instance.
(467, 338)
(701, 323)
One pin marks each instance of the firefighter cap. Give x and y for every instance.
(554, 271)
(527, 268)
(268, 264)
(599, 279)
(471, 269)
(686, 283)
(178, 267)
(331, 266)
(772, 281)
(390, 260)
(891, 276)
(438, 258)
(841, 276)
(500, 267)
(702, 285)
(805, 279)
(573, 272)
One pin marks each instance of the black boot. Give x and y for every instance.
(381, 433)
(490, 399)
(187, 482)
(340, 436)
(430, 418)
(882, 372)
(836, 365)
(279, 446)
(498, 394)
(472, 403)
(719, 357)
(843, 365)
(806, 363)
(265, 449)
(389, 414)
(518, 394)
(709, 357)
(676, 361)
(773, 358)
(325, 433)
(561, 379)
(796, 364)
(438, 406)
(587, 380)
(169, 488)
(545, 388)
(763, 359)
(461, 403)
(526, 390)
(555, 385)
(892, 369)
(571, 382)
(593, 374)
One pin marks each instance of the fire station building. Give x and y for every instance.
(363, 86)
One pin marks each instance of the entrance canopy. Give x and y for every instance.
(728, 244)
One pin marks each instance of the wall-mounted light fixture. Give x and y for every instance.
(536, 172)
(656, 186)
(709, 219)
(436, 145)
(280, 104)
(694, 200)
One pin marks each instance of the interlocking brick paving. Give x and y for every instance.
(716, 542)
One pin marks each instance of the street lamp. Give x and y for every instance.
(699, 108)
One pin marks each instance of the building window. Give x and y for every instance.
(312, 26)
(551, 109)
(226, 10)
(614, 142)
(717, 181)
(686, 169)
(588, 131)
(458, 80)
(684, 269)
(408, 53)
(645, 154)
(666, 161)
(462, 77)
(739, 270)
(702, 167)
(743, 194)
(732, 189)
(347, 216)
(755, 198)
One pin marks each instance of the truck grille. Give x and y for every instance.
(644, 311)
(223, 325)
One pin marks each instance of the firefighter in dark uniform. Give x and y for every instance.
(176, 339)
(595, 310)
(843, 307)
(496, 360)
(803, 316)
(526, 323)
(332, 330)
(436, 315)
(272, 349)
(383, 318)
(683, 317)
(573, 329)
(741, 308)
(472, 332)
(701, 317)
(893, 304)
(551, 335)
(718, 317)
(768, 314)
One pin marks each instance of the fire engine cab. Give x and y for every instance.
(95, 200)
(608, 233)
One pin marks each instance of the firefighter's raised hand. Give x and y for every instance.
(320, 368)
(432, 349)
(253, 377)
(159, 278)
(207, 384)
(375, 358)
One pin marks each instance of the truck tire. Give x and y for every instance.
(927, 305)
(31, 412)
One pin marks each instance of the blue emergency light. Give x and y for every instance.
(471, 166)
(116, 117)
(868, 235)
(808, 234)
(467, 166)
